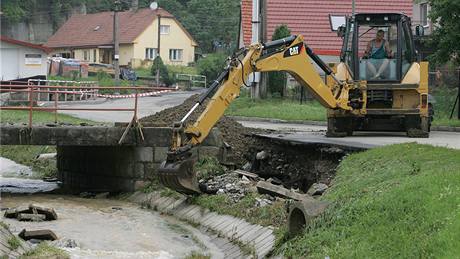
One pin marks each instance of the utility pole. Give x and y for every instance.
(116, 43)
(154, 7)
(158, 48)
(353, 8)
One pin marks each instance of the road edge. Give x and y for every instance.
(322, 123)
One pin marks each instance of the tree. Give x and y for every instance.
(166, 78)
(211, 66)
(277, 80)
(446, 35)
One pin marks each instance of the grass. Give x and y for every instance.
(286, 109)
(270, 215)
(26, 155)
(14, 242)
(208, 167)
(197, 255)
(44, 250)
(387, 206)
(445, 99)
(41, 117)
(4, 225)
(277, 108)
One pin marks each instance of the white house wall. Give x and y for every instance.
(13, 62)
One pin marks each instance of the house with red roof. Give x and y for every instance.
(20, 59)
(89, 37)
(310, 18)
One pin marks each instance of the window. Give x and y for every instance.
(85, 55)
(424, 14)
(94, 55)
(150, 53)
(175, 54)
(164, 29)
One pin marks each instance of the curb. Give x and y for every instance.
(257, 119)
(323, 123)
(261, 239)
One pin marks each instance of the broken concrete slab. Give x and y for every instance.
(264, 187)
(31, 217)
(246, 173)
(44, 234)
(13, 212)
(317, 189)
(48, 212)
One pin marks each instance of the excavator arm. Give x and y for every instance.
(291, 55)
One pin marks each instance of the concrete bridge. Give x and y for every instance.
(91, 158)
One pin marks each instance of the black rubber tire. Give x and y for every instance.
(339, 127)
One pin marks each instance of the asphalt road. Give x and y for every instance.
(316, 134)
(146, 106)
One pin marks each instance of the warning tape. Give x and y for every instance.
(133, 95)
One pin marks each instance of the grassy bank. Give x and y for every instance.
(291, 110)
(39, 117)
(445, 99)
(276, 108)
(27, 155)
(387, 206)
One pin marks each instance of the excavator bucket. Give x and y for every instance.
(179, 176)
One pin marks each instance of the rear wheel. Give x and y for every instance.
(339, 127)
(418, 127)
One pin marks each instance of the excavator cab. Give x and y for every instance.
(368, 61)
(396, 82)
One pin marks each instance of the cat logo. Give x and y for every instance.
(293, 51)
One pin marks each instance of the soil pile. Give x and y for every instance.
(235, 134)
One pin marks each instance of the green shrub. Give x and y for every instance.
(166, 77)
(212, 65)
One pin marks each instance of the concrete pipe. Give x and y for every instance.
(301, 213)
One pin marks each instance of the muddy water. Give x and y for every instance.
(15, 178)
(105, 228)
(101, 228)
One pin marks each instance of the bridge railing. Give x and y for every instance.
(31, 92)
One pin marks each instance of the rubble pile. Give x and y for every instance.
(231, 184)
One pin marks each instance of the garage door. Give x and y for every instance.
(9, 65)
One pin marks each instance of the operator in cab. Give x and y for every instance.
(378, 52)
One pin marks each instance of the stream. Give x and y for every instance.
(101, 228)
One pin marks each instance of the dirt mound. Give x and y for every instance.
(235, 134)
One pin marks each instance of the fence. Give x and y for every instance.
(33, 91)
(192, 80)
(83, 93)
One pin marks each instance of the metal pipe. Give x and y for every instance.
(190, 112)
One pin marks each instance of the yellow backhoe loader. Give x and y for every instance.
(356, 98)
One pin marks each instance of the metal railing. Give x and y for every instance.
(82, 93)
(32, 91)
(195, 80)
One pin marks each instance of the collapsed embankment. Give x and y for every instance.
(394, 201)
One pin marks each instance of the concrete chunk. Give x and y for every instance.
(264, 187)
(44, 234)
(31, 217)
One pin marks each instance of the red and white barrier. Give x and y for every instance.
(134, 95)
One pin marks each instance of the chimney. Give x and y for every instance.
(134, 5)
